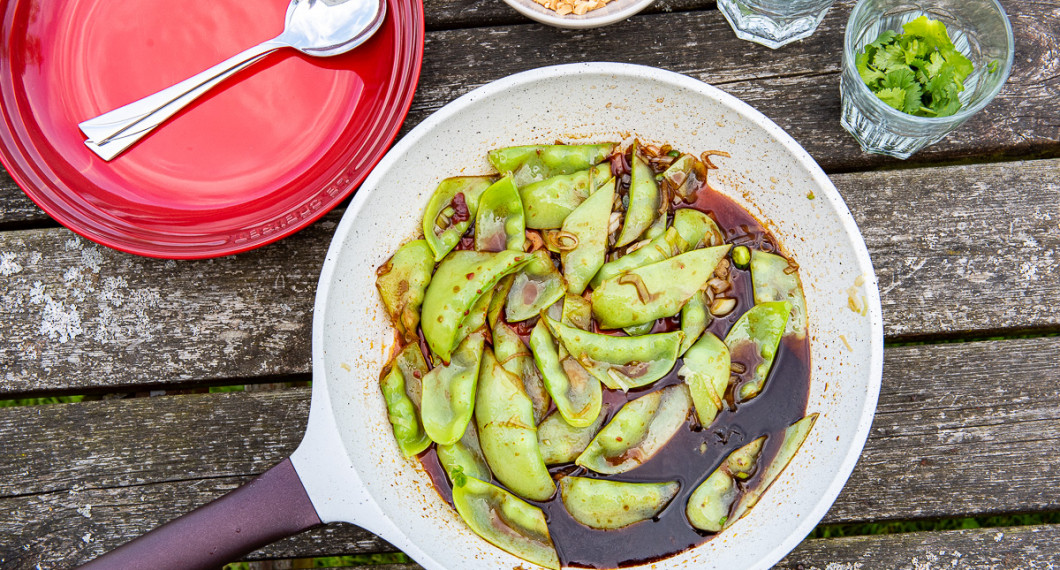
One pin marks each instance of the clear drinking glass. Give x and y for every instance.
(773, 23)
(979, 29)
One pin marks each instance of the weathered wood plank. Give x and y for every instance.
(446, 14)
(978, 252)
(961, 430)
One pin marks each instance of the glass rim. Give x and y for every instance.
(961, 115)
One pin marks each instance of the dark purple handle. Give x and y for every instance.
(271, 507)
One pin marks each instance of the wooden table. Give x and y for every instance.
(965, 238)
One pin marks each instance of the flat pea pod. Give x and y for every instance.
(708, 507)
(449, 392)
(743, 462)
(753, 341)
(638, 431)
(505, 521)
(774, 279)
(402, 282)
(620, 362)
(694, 320)
(499, 222)
(639, 330)
(577, 312)
(533, 163)
(561, 442)
(684, 177)
(537, 285)
(706, 370)
(644, 199)
(659, 226)
(458, 283)
(607, 505)
(504, 415)
(548, 202)
(794, 436)
(499, 299)
(588, 225)
(667, 245)
(476, 318)
(697, 229)
(654, 291)
(464, 458)
(577, 394)
(451, 210)
(400, 384)
(516, 358)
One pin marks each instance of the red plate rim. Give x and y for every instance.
(41, 179)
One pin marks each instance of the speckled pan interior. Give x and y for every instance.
(349, 461)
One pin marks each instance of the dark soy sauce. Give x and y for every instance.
(694, 452)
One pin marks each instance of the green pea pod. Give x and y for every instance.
(644, 199)
(402, 282)
(653, 291)
(697, 229)
(548, 202)
(476, 318)
(505, 521)
(536, 286)
(667, 245)
(794, 436)
(606, 505)
(500, 296)
(529, 164)
(499, 222)
(458, 283)
(639, 330)
(753, 341)
(577, 312)
(561, 442)
(588, 224)
(516, 358)
(577, 394)
(449, 392)
(464, 458)
(774, 279)
(620, 362)
(638, 431)
(442, 226)
(402, 399)
(706, 371)
(694, 320)
(743, 462)
(505, 419)
(708, 507)
(685, 177)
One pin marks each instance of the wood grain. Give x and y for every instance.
(962, 250)
(964, 429)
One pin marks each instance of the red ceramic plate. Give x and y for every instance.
(259, 158)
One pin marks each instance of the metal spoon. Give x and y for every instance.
(314, 27)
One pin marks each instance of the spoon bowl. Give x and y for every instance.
(324, 28)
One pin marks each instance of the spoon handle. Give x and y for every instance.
(111, 133)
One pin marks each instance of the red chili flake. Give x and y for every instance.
(470, 276)
(461, 213)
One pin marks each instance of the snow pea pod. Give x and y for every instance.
(577, 312)
(529, 164)
(458, 283)
(753, 341)
(694, 320)
(561, 442)
(451, 210)
(743, 462)
(603, 504)
(499, 222)
(537, 285)
(476, 317)
(620, 362)
(654, 291)
(708, 507)
(464, 457)
(667, 245)
(548, 202)
(588, 226)
(402, 282)
(516, 358)
(577, 394)
(706, 370)
(505, 419)
(685, 177)
(400, 383)
(774, 279)
(794, 436)
(697, 228)
(449, 392)
(505, 521)
(644, 201)
(638, 431)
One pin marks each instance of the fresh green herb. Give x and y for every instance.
(919, 72)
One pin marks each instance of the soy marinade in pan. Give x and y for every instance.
(562, 225)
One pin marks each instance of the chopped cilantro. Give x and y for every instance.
(919, 72)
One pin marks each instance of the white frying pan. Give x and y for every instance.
(348, 467)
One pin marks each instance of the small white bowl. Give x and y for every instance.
(614, 11)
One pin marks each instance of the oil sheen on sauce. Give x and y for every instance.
(694, 452)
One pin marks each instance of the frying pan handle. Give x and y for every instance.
(271, 507)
